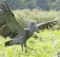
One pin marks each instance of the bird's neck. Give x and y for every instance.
(29, 32)
(30, 27)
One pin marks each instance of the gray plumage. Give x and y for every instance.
(22, 39)
(11, 27)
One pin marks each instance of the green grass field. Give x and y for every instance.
(47, 43)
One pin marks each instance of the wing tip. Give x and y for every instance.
(56, 19)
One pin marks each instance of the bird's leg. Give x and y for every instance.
(22, 46)
(25, 45)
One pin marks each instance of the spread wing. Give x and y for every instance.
(2, 20)
(10, 21)
(47, 24)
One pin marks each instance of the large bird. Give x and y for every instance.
(11, 27)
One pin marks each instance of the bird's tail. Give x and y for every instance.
(8, 43)
(12, 42)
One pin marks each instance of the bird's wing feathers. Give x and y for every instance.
(47, 24)
(2, 19)
(13, 25)
(10, 19)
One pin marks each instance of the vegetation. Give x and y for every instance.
(47, 42)
(32, 4)
(23, 16)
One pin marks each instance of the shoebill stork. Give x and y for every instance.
(10, 27)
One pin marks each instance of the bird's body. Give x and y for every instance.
(13, 28)
(22, 39)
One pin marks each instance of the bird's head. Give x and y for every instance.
(32, 25)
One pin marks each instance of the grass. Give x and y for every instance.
(36, 15)
(47, 44)
(24, 16)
